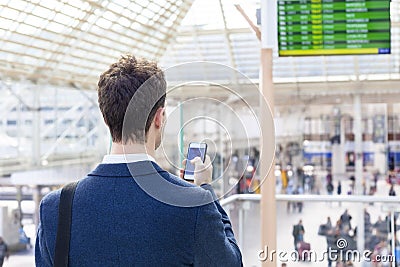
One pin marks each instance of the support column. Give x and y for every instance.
(393, 236)
(358, 151)
(241, 224)
(221, 149)
(268, 203)
(181, 133)
(36, 199)
(19, 200)
(338, 155)
(36, 127)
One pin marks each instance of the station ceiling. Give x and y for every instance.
(69, 43)
(72, 42)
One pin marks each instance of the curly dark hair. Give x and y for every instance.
(131, 120)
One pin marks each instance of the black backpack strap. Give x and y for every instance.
(64, 225)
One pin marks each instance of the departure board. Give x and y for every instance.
(333, 27)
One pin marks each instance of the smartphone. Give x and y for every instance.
(194, 150)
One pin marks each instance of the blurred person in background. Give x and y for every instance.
(4, 254)
(376, 178)
(345, 219)
(299, 191)
(298, 233)
(329, 188)
(339, 188)
(392, 192)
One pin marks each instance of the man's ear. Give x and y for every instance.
(159, 117)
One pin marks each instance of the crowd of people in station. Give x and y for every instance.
(377, 234)
(308, 182)
(377, 238)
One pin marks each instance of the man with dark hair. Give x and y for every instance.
(129, 211)
(118, 85)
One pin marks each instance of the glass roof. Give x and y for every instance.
(75, 40)
(72, 42)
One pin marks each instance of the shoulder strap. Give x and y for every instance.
(64, 225)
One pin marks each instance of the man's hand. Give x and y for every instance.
(202, 171)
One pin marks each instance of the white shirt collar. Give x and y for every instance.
(126, 158)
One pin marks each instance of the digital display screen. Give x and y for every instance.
(333, 27)
(196, 150)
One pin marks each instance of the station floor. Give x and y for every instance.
(21, 259)
(312, 215)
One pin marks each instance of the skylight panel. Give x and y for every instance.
(42, 12)
(124, 3)
(117, 27)
(85, 26)
(13, 47)
(205, 14)
(127, 13)
(136, 8)
(48, 4)
(18, 4)
(25, 29)
(35, 52)
(153, 7)
(9, 13)
(161, 3)
(142, 19)
(55, 27)
(34, 21)
(62, 19)
(79, 4)
(109, 16)
(168, 22)
(124, 22)
(115, 7)
(173, 8)
(91, 19)
(72, 11)
(103, 23)
(144, 3)
(147, 13)
(44, 44)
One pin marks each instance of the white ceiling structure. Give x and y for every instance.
(73, 41)
(70, 42)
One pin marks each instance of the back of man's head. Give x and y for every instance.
(124, 79)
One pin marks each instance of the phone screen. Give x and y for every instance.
(195, 150)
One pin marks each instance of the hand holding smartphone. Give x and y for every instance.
(194, 150)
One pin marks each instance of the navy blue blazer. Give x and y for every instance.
(137, 214)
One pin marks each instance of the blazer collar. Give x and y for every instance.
(138, 168)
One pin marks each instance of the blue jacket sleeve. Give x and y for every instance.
(215, 243)
(42, 254)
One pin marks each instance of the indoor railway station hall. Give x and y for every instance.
(256, 133)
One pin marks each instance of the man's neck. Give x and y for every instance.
(118, 148)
